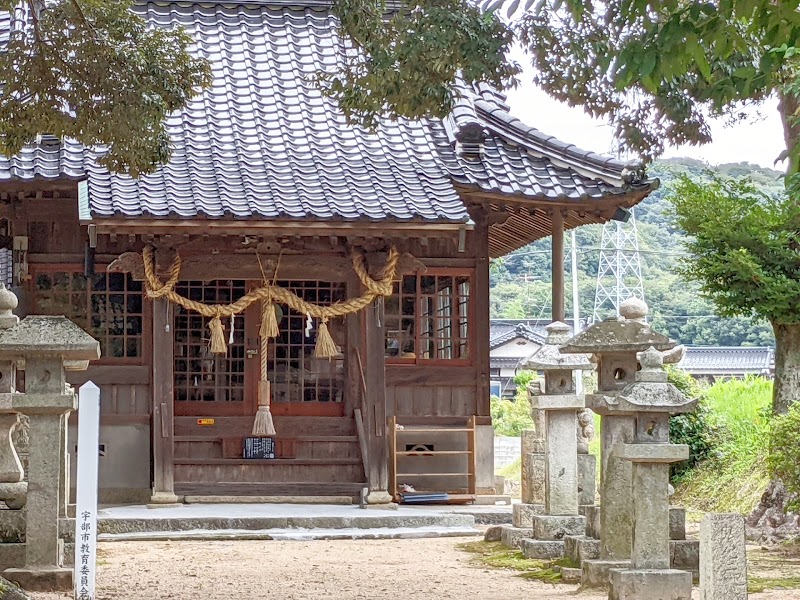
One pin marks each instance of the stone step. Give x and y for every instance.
(259, 517)
(542, 550)
(511, 536)
(579, 548)
(570, 575)
(522, 514)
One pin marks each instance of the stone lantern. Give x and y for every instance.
(652, 400)
(560, 403)
(615, 343)
(46, 346)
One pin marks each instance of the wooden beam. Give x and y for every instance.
(163, 402)
(354, 352)
(308, 228)
(558, 265)
(480, 315)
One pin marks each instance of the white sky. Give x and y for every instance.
(759, 140)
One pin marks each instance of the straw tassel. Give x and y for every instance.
(218, 345)
(269, 321)
(326, 347)
(263, 425)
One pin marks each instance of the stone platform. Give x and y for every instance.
(258, 521)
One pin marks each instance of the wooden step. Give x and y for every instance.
(268, 461)
(290, 488)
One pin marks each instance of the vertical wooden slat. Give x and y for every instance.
(471, 444)
(393, 456)
(480, 315)
(163, 400)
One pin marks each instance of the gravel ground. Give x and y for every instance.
(373, 569)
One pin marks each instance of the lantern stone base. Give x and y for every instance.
(579, 548)
(596, 573)
(50, 579)
(522, 514)
(548, 527)
(650, 584)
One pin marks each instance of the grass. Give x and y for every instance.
(774, 568)
(734, 478)
(494, 554)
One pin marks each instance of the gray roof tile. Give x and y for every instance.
(264, 142)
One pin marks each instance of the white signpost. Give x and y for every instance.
(86, 491)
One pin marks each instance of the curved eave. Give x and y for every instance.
(517, 220)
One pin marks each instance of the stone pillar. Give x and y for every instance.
(561, 464)
(723, 559)
(616, 506)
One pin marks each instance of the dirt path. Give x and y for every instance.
(256, 570)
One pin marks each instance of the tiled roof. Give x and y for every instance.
(264, 142)
(728, 360)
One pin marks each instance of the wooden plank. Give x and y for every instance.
(112, 374)
(163, 398)
(423, 400)
(442, 401)
(435, 375)
(362, 439)
(375, 413)
(479, 336)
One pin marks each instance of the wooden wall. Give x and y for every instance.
(431, 391)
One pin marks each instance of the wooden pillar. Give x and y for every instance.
(375, 406)
(163, 403)
(558, 265)
(480, 316)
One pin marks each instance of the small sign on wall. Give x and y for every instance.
(206, 421)
(259, 447)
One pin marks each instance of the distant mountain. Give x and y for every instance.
(521, 281)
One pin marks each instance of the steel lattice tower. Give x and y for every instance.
(619, 270)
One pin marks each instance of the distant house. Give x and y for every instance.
(511, 341)
(724, 362)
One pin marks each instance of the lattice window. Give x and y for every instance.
(109, 306)
(201, 376)
(427, 318)
(295, 374)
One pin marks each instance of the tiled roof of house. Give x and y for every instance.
(727, 360)
(263, 141)
(502, 334)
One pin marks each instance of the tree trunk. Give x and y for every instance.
(787, 366)
(788, 107)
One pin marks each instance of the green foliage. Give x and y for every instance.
(735, 475)
(743, 245)
(657, 70)
(409, 60)
(693, 429)
(784, 457)
(510, 417)
(92, 70)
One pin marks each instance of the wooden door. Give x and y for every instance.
(208, 384)
(301, 384)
